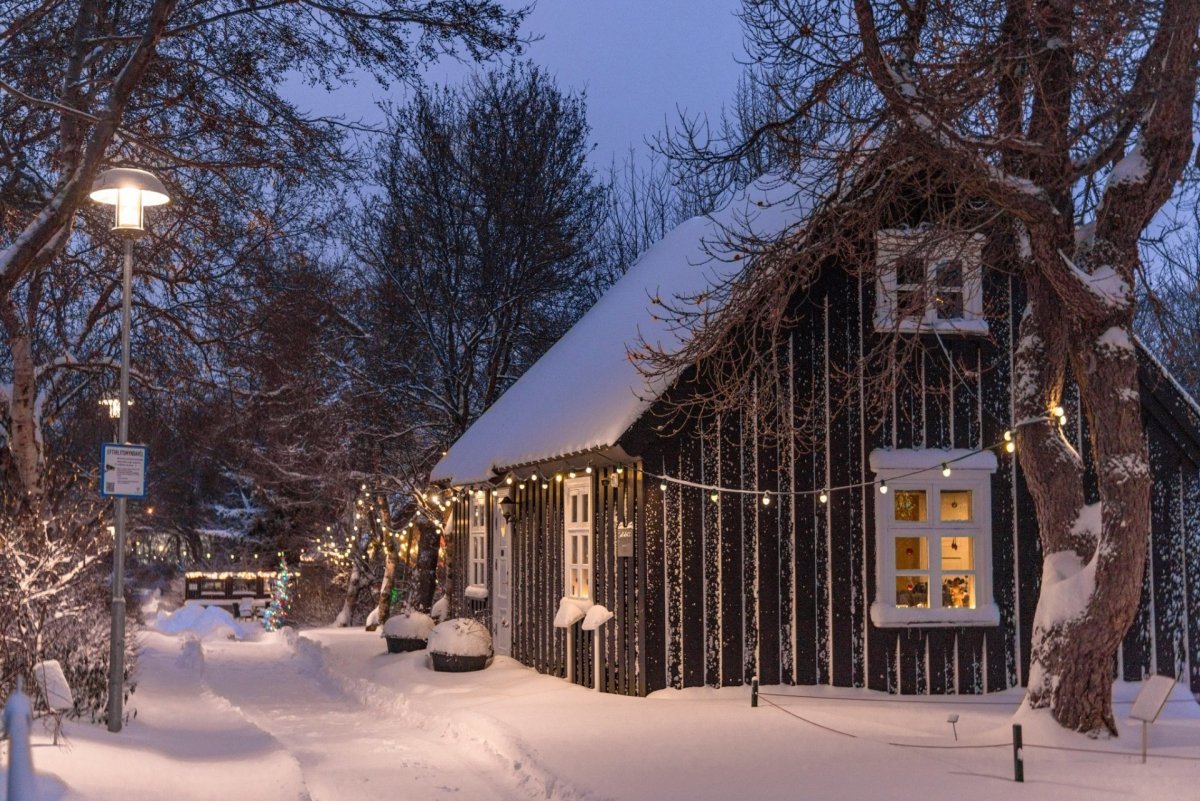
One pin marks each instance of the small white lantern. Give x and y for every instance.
(130, 191)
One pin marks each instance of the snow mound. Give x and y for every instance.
(440, 609)
(409, 625)
(461, 636)
(204, 623)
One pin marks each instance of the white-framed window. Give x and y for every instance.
(577, 527)
(933, 537)
(477, 547)
(929, 281)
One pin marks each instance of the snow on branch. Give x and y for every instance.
(1104, 285)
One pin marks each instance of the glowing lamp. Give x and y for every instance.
(130, 191)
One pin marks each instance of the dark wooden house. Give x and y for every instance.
(624, 559)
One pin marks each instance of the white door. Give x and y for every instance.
(502, 595)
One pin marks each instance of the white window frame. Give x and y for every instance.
(477, 546)
(581, 534)
(934, 249)
(969, 471)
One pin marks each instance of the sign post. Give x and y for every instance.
(1149, 705)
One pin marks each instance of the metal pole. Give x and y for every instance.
(1018, 754)
(116, 655)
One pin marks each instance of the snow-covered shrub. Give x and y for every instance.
(54, 598)
(461, 636)
(408, 625)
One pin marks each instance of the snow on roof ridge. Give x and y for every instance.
(1188, 400)
(586, 391)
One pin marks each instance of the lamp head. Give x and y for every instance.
(130, 191)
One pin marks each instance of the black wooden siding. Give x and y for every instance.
(717, 593)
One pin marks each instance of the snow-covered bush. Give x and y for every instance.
(461, 636)
(54, 598)
(408, 625)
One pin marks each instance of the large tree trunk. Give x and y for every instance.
(425, 583)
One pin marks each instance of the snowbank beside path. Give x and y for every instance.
(203, 622)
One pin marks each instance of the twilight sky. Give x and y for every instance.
(637, 60)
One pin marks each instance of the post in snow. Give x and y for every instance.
(18, 719)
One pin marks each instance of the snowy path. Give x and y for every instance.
(346, 752)
(328, 716)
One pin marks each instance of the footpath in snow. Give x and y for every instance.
(328, 716)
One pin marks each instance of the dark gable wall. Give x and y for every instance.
(783, 591)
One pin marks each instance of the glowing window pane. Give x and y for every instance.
(955, 506)
(958, 592)
(912, 553)
(911, 506)
(958, 553)
(912, 591)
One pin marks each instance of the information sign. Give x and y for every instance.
(123, 471)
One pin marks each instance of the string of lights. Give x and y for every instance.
(1007, 444)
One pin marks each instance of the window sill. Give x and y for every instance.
(476, 592)
(966, 327)
(885, 616)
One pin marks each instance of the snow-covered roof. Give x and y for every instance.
(586, 391)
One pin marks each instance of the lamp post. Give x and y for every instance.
(129, 191)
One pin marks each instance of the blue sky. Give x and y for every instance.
(637, 60)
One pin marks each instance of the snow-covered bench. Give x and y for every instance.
(54, 697)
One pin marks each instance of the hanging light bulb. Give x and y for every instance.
(1058, 411)
(883, 488)
(824, 496)
(508, 481)
(533, 476)
(1008, 436)
(521, 485)
(663, 486)
(588, 470)
(766, 499)
(570, 474)
(945, 470)
(714, 497)
(1010, 446)
(558, 478)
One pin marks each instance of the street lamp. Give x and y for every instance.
(130, 191)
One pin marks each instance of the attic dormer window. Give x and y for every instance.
(929, 282)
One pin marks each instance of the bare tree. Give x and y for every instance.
(1058, 129)
(194, 90)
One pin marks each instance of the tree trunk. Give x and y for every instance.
(24, 426)
(391, 560)
(425, 584)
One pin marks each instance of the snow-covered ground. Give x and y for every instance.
(329, 716)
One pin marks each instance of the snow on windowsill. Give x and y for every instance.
(971, 326)
(476, 592)
(570, 612)
(931, 459)
(886, 616)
